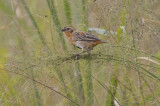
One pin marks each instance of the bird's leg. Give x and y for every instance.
(81, 52)
(77, 54)
(89, 52)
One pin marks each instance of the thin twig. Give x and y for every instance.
(42, 85)
(104, 86)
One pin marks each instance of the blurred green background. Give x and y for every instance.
(37, 67)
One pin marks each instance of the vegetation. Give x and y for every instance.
(36, 62)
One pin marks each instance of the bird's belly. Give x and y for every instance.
(84, 44)
(80, 44)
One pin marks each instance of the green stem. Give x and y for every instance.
(80, 83)
(67, 10)
(34, 23)
(89, 84)
(56, 22)
(85, 16)
(60, 77)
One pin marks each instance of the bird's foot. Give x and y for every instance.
(76, 55)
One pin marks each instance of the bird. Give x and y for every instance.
(81, 40)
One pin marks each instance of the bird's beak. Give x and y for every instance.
(63, 29)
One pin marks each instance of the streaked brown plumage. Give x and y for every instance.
(82, 40)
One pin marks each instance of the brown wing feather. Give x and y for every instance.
(84, 36)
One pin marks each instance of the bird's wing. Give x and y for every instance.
(84, 36)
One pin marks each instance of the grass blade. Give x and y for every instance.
(56, 22)
(34, 23)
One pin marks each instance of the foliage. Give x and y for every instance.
(36, 62)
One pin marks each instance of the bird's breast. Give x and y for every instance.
(69, 37)
(68, 34)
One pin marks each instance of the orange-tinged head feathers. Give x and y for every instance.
(68, 29)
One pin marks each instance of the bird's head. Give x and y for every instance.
(68, 29)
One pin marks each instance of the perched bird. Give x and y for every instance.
(82, 40)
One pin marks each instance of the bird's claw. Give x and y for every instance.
(76, 54)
